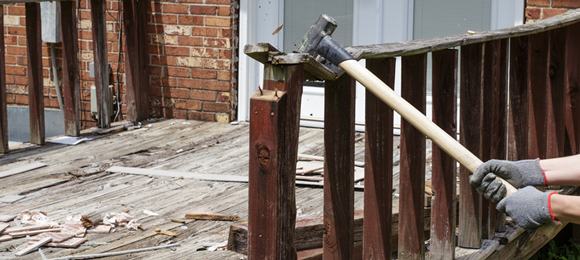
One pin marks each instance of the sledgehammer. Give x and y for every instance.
(318, 41)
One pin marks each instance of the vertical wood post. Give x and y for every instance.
(378, 166)
(339, 108)
(71, 83)
(556, 94)
(136, 59)
(519, 77)
(98, 21)
(471, 81)
(412, 167)
(538, 67)
(3, 106)
(444, 169)
(274, 129)
(35, 86)
(573, 87)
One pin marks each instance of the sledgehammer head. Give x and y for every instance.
(324, 26)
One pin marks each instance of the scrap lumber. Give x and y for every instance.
(100, 229)
(91, 219)
(113, 130)
(34, 246)
(70, 243)
(33, 232)
(5, 238)
(165, 232)
(21, 169)
(56, 237)
(6, 218)
(133, 251)
(176, 174)
(20, 229)
(3, 226)
(212, 217)
(178, 220)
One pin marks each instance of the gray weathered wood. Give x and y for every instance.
(21, 169)
(178, 174)
(34, 246)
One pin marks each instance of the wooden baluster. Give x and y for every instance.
(538, 68)
(274, 129)
(573, 87)
(3, 106)
(412, 167)
(136, 59)
(556, 102)
(70, 81)
(444, 168)
(378, 166)
(35, 85)
(100, 53)
(339, 107)
(518, 98)
(471, 111)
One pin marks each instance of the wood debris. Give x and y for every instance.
(5, 238)
(100, 229)
(34, 246)
(222, 217)
(56, 237)
(34, 232)
(25, 168)
(165, 232)
(3, 226)
(178, 220)
(92, 219)
(6, 218)
(70, 243)
(21, 229)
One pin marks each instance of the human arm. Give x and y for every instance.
(566, 208)
(562, 171)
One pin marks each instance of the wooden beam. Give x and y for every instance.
(556, 95)
(518, 98)
(136, 59)
(339, 108)
(379, 166)
(35, 86)
(539, 87)
(444, 169)
(99, 29)
(274, 132)
(573, 87)
(3, 106)
(471, 85)
(412, 167)
(71, 78)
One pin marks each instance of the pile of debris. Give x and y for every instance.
(41, 231)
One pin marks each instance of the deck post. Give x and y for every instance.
(556, 95)
(518, 98)
(3, 106)
(35, 85)
(339, 108)
(412, 167)
(378, 166)
(136, 59)
(99, 29)
(71, 81)
(444, 169)
(471, 107)
(539, 86)
(274, 129)
(573, 87)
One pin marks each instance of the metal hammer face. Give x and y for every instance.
(318, 41)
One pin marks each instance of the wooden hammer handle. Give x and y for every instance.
(447, 143)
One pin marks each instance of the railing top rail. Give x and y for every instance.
(439, 43)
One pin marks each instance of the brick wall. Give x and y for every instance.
(541, 9)
(192, 50)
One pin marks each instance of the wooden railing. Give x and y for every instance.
(534, 67)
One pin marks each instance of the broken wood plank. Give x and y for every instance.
(70, 243)
(33, 232)
(6, 218)
(133, 251)
(5, 238)
(165, 232)
(34, 246)
(177, 220)
(3, 226)
(21, 169)
(21, 229)
(100, 229)
(310, 178)
(177, 174)
(202, 216)
(56, 237)
(487, 248)
(11, 198)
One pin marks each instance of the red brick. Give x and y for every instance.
(175, 8)
(9, 40)
(224, 97)
(154, 70)
(203, 74)
(84, 15)
(538, 2)
(155, 91)
(162, 81)
(204, 31)
(163, 60)
(177, 51)
(187, 104)
(16, 30)
(15, 10)
(177, 72)
(224, 10)
(210, 117)
(190, 41)
(217, 64)
(533, 13)
(566, 3)
(10, 79)
(87, 35)
(547, 13)
(219, 2)
(155, 28)
(217, 85)
(225, 33)
(155, 49)
(216, 42)
(216, 107)
(204, 52)
(191, 1)
(225, 54)
(203, 9)
(218, 21)
(164, 18)
(16, 70)
(202, 95)
(154, 7)
(190, 83)
(22, 99)
(174, 113)
(10, 59)
(190, 20)
(10, 98)
(161, 102)
(225, 75)
(176, 93)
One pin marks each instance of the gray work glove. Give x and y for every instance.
(517, 173)
(528, 207)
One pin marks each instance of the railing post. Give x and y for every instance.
(339, 108)
(556, 95)
(471, 81)
(98, 20)
(519, 77)
(3, 106)
(412, 167)
(538, 68)
(378, 167)
(35, 86)
(70, 81)
(274, 129)
(444, 168)
(573, 87)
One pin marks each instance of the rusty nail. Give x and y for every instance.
(261, 92)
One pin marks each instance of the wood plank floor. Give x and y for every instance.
(75, 182)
